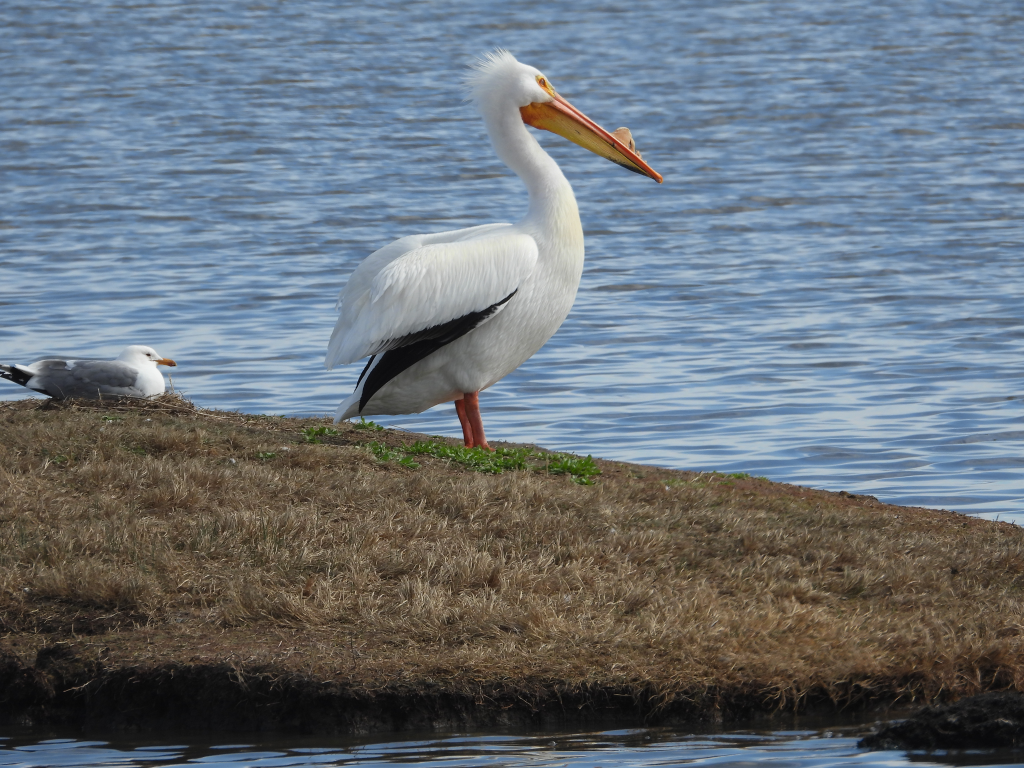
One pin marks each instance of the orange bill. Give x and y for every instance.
(166, 361)
(561, 117)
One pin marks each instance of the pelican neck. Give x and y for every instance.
(545, 183)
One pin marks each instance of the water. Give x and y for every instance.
(639, 749)
(827, 290)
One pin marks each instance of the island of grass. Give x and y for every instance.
(167, 566)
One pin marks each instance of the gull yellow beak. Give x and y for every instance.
(561, 117)
(165, 361)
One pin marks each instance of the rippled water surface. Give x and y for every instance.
(642, 749)
(827, 290)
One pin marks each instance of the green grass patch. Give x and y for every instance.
(490, 462)
(580, 469)
(313, 434)
(383, 453)
(371, 425)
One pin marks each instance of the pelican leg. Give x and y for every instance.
(467, 428)
(472, 406)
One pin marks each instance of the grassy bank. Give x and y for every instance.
(163, 564)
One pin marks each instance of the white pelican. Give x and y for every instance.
(446, 315)
(134, 374)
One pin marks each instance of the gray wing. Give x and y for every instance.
(85, 378)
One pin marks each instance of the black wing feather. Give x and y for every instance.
(412, 348)
(16, 375)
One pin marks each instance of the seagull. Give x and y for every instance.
(443, 316)
(133, 374)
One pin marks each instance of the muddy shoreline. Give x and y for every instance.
(62, 689)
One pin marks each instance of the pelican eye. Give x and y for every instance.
(543, 83)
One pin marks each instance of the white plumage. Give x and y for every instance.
(424, 280)
(449, 314)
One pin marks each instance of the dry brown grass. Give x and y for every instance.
(161, 533)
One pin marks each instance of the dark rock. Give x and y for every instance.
(987, 721)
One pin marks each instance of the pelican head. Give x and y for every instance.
(499, 81)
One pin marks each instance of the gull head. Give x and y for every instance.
(139, 355)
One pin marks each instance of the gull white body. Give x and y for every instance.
(133, 374)
(511, 285)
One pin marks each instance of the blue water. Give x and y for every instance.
(827, 290)
(636, 748)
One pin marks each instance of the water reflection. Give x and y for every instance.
(653, 747)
